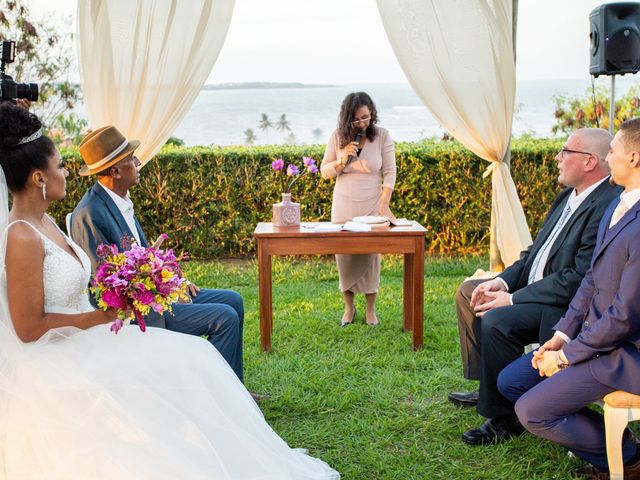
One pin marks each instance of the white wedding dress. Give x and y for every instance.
(90, 405)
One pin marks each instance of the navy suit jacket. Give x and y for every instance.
(603, 319)
(96, 219)
(570, 254)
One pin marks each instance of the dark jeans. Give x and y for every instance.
(218, 314)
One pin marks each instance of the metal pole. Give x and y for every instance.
(612, 104)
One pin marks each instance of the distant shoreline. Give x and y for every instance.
(261, 85)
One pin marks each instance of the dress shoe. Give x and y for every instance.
(464, 399)
(493, 430)
(631, 471)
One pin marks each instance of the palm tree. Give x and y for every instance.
(249, 137)
(317, 134)
(265, 124)
(283, 125)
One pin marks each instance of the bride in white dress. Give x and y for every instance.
(77, 401)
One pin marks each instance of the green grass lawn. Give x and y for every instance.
(359, 397)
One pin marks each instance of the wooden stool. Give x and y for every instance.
(620, 408)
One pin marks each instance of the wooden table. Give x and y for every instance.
(407, 240)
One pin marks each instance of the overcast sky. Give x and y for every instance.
(321, 41)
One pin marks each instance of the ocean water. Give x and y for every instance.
(221, 116)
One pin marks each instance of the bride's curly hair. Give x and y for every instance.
(350, 104)
(19, 160)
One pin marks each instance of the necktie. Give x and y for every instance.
(543, 252)
(618, 213)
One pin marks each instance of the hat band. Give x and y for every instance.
(110, 157)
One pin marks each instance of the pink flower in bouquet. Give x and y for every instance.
(138, 280)
(143, 295)
(104, 250)
(113, 299)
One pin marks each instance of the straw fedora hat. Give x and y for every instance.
(103, 148)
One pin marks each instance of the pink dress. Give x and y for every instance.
(357, 192)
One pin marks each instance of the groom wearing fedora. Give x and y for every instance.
(106, 215)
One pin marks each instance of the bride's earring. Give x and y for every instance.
(44, 190)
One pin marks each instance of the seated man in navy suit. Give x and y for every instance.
(105, 215)
(595, 349)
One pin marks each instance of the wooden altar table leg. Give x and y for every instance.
(408, 291)
(418, 294)
(264, 296)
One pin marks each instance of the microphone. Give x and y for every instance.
(359, 136)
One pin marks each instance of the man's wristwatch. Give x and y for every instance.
(560, 362)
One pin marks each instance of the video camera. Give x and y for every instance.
(10, 90)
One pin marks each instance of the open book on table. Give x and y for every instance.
(352, 226)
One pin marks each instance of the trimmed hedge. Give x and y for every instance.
(209, 199)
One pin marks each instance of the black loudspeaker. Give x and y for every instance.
(615, 39)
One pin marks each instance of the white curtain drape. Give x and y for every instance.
(143, 62)
(458, 57)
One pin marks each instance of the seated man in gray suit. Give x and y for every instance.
(497, 318)
(105, 215)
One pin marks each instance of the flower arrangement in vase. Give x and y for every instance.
(287, 213)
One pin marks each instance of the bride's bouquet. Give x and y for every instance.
(138, 280)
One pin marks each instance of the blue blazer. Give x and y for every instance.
(603, 318)
(96, 219)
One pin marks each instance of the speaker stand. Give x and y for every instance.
(612, 104)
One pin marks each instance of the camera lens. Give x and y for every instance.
(28, 91)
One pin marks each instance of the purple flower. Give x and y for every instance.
(292, 170)
(157, 307)
(105, 250)
(103, 271)
(116, 325)
(312, 168)
(277, 165)
(308, 161)
(116, 280)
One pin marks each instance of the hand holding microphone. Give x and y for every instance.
(359, 136)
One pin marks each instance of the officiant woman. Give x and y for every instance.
(361, 157)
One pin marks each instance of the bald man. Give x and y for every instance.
(499, 317)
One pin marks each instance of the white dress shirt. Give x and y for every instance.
(574, 203)
(628, 200)
(125, 205)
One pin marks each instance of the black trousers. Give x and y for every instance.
(490, 343)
